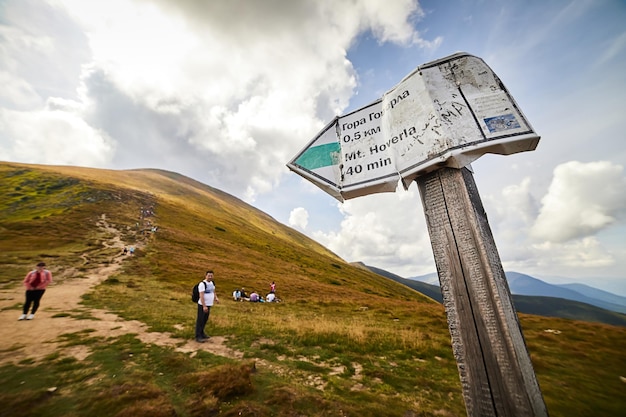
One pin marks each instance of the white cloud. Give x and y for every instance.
(383, 230)
(17, 93)
(183, 85)
(575, 232)
(587, 252)
(40, 54)
(583, 199)
(245, 93)
(388, 230)
(514, 209)
(299, 217)
(52, 137)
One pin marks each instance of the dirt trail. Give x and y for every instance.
(39, 337)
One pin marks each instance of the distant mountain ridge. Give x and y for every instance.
(596, 293)
(522, 284)
(533, 296)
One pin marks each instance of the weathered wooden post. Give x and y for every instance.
(494, 365)
(428, 129)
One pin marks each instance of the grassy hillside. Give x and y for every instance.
(559, 307)
(431, 291)
(344, 341)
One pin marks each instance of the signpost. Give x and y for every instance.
(448, 112)
(428, 129)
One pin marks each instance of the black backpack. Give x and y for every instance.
(195, 293)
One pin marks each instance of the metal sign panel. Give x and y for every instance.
(447, 112)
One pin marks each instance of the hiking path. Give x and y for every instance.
(37, 338)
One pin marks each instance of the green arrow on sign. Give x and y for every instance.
(320, 156)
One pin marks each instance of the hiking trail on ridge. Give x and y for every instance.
(35, 339)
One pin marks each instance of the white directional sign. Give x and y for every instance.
(447, 112)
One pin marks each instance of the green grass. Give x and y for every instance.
(344, 338)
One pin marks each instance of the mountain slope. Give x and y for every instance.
(431, 291)
(233, 233)
(343, 339)
(567, 309)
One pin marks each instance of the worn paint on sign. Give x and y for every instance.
(446, 113)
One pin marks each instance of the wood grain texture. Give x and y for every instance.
(493, 362)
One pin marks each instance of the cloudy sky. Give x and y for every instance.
(227, 92)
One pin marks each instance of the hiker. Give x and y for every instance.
(254, 297)
(271, 297)
(237, 295)
(272, 287)
(243, 295)
(206, 288)
(36, 282)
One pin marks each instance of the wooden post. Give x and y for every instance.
(496, 373)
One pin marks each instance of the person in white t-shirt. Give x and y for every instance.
(207, 297)
(271, 297)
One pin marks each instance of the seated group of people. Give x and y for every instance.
(254, 297)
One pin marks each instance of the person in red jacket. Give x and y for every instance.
(35, 282)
